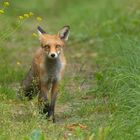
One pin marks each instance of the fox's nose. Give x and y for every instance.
(52, 55)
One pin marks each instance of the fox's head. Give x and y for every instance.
(53, 45)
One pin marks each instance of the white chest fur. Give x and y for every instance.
(52, 69)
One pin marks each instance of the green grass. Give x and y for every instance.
(100, 89)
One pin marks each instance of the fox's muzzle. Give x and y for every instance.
(53, 55)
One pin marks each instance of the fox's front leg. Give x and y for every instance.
(54, 92)
(43, 99)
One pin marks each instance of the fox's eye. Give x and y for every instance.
(58, 46)
(46, 46)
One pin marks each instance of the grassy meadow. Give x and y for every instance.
(99, 96)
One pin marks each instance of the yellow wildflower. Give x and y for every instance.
(6, 3)
(26, 15)
(31, 13)
(34, 34)
(39, 18)
(1, 11)
(21, 17)
(18, 63)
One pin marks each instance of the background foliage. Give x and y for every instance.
(100, 94)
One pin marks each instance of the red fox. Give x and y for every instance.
(47, 69)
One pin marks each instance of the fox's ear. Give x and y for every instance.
(41, 32)
(64, 33)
